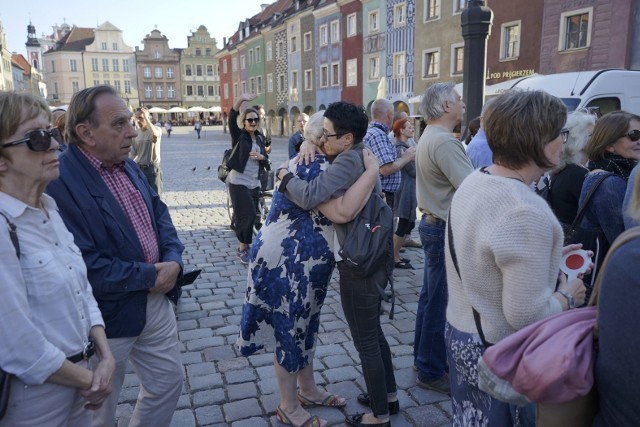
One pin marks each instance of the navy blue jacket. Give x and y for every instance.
(111, 250)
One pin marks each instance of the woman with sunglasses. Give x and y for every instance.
(613, 150)
(50, 323)
(249, 154)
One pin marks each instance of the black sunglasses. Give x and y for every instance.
(564, 133)
(633, 135)
(37, 140)
(253, 120)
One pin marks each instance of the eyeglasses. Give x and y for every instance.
(564, 133)
(633, 135)
(253, 120)
(37, 140)
(327, 135)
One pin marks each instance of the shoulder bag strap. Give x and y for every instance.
(13, 234)
(583, 207)
(454, 258)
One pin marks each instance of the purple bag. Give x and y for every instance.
(550, 361)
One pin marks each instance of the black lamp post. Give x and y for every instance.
(476, 27)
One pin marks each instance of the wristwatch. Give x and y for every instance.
(570, 300)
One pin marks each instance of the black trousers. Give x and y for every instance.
(245, 206)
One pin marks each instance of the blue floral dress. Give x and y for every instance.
(289, 272)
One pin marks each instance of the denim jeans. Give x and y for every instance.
(361, 301)
(429, 348)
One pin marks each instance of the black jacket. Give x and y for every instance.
(241, 143)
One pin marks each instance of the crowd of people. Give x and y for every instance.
(92, 261)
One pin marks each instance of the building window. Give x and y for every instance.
(306, 41)
(430, 63)
(200, 90)
(279, 49)
(281, 83)
(398, 65)
(293, 44)
(125, 65)
(156, 54)
(147, 91)
(94, 64)
(189, 90)
(226, 91)
(243, 63)
(351, 25)
(294, 80)
(374, 21)
(198, 51)
(258, 54)
(308, 80)
(169, 72)
(96, 82)
(114, 45)
(335, 74)
(127, 86)
(55, 90)
(209, 90)
(324, 35)
(199, 69)
(116, 65)
(103, 45)
(324, 75)
(187, 69)
(146, 72)
(399, 15)
(235, 90)
(431, 9)
(252, 85)
(510, 40)
(259, 84)
(269, 51)
(352, 72)
(75, 87)
(575, 29)
(105, 65)
(234, 63)
(171, 91)
(459, 5)
(374, 68)
(251, 57)
(207, 51)
(73, 66)
(224, 66)
(158, 72)
(210, 70)
(53, 68)
(335, 31)
(159, 91)
(116, 85)
(269, 82)
(457, 59)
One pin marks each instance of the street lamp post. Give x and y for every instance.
(476, 23)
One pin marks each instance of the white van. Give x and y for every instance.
(608, 90)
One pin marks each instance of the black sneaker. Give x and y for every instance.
(441, 385)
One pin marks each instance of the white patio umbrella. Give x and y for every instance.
(215, 110)
(157, 110)
(177, 110)
(197, 110)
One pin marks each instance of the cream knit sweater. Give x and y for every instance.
(508, 244)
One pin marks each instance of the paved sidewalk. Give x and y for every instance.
(223, 388)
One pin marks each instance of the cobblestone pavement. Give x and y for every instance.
(223, 388)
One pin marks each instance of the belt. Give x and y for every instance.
(431, 218)
(146, 166)
(88, 351)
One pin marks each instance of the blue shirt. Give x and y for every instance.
(629, 221)
(377, 139)
(478, 150)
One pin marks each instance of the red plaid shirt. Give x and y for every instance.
(132, 204)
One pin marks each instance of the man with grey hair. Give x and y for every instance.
(377, 139)
(478, 149)
(441, 166)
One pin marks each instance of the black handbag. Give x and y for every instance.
(5, 377)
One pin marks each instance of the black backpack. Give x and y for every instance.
(223, 169)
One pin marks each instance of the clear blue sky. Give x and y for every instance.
(174, 18)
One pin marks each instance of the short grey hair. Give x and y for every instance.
(434, 98)
(314, 128)
(380, 108)
(578, 124)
